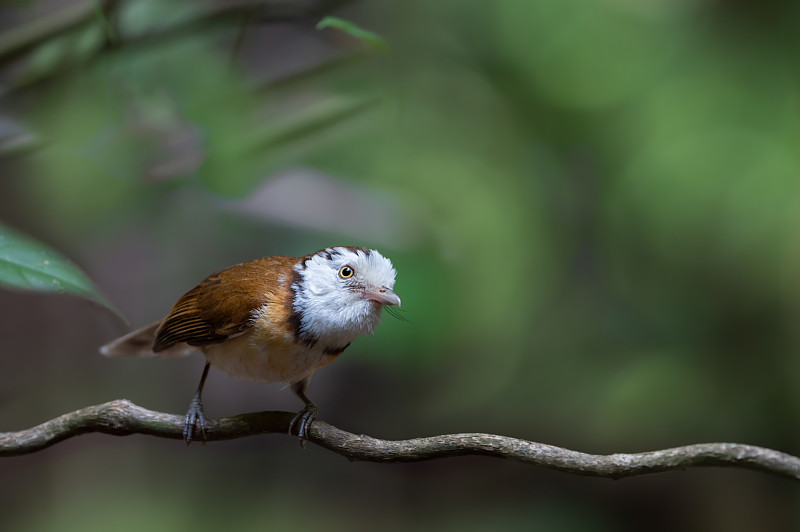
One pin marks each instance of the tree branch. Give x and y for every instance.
(122, 418)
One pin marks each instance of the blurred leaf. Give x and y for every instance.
(49, 56)
(279, 144)
(315, 119)
(88, 41)
(46, 27)
(108, 27)
(60, 52)
(137, 19)
(30, 265)
(353, 30)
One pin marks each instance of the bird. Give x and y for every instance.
(272, 319)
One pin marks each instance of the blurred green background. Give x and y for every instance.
(593, 207)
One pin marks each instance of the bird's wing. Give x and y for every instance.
(222, 305)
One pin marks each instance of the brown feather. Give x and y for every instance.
(222, 305)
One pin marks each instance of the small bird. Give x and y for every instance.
(273, 319)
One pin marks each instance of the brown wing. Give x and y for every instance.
(221, 305)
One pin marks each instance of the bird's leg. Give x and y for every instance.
(195, 416)
(306, 416)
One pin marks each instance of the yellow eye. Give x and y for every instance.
(346, 272)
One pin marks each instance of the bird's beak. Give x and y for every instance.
(382, 295)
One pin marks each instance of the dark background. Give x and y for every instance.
(593, 207)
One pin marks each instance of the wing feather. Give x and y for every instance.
(222, 305)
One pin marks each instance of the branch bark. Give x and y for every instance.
(122, 418)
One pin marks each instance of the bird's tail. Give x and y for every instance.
(139, 343)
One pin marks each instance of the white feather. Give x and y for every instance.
(334, 310)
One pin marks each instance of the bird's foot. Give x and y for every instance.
(303, 421)
(194, 419)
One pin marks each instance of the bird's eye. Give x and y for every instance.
(346, 272)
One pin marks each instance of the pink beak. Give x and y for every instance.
(383, 295)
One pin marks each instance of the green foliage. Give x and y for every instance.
(594, 210)
(353, 30)
(30, 265)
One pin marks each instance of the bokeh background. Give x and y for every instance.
(593, 207)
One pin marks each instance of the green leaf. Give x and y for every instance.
(31, 265)
(108, 26)
(352, 29)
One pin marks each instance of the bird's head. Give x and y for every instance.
(340, 292)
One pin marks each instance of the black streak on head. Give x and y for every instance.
(328, 254)
(356, 249)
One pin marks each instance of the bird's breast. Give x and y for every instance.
(269, 351)
(248, 358)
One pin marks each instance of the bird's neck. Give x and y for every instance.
(326, 319)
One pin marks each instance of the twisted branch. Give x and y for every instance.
(122, 417)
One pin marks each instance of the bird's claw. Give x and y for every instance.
(194, 418)
(303, 421)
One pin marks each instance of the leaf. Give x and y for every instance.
(280, 144)
(31, 265)
(354, 30)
